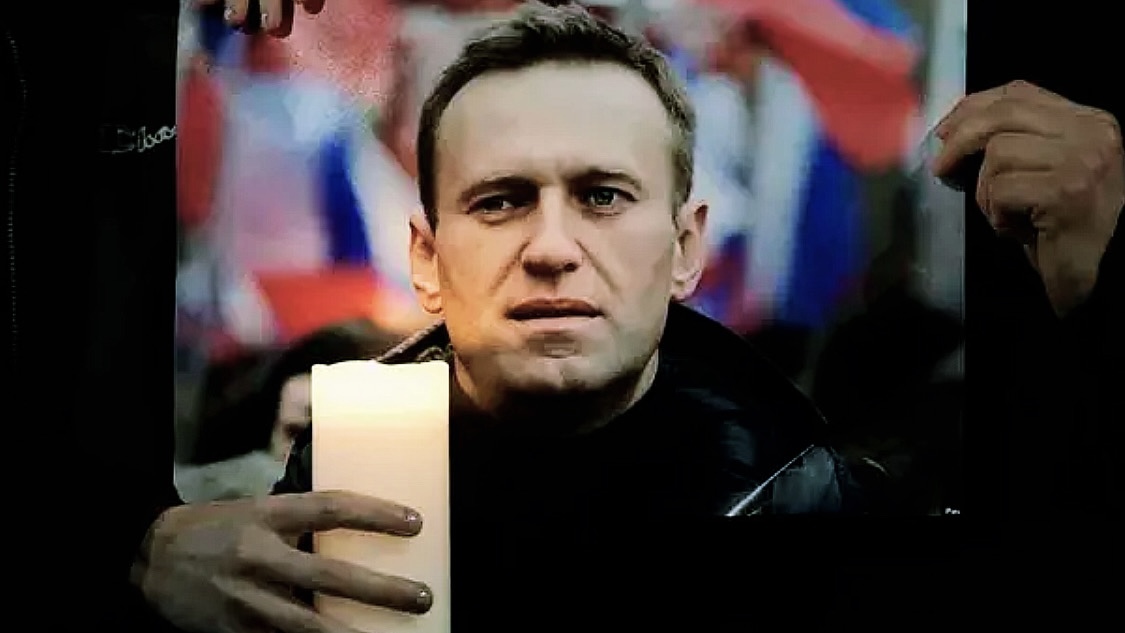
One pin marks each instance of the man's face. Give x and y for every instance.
(558, 246)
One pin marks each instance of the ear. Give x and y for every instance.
(424, 264)
(690, 256)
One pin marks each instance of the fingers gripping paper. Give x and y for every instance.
(383, 430)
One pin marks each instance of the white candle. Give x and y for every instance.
(383, 430)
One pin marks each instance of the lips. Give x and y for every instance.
(552, 309)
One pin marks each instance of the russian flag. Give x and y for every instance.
(837, 102)
(298, 217)
(366, 273)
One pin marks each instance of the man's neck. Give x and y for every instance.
(567, 413)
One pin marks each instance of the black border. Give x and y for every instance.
(95, 357)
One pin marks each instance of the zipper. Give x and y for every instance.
(12, 164)
(747, 503)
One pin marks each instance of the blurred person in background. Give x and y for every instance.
(800, 104)
(430, 34)
(743, 70)
(221, 453)
(718, 61)
(285, 390)
(296, 213)
(249, 423)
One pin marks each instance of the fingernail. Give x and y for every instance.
(413, 521)
(941, 129)
(424, 599)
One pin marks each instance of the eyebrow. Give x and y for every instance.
(585, 176)
(601, 175)
(493, 184)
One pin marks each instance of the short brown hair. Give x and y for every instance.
(538, 34)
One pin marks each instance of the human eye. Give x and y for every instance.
(493, 204)
(602, 198)
(499, 204)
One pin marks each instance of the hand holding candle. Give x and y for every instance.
(218, 566)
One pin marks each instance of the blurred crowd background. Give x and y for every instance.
(831, 249)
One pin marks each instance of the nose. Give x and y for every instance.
(552, 249)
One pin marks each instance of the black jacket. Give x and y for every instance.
(767, 440)
(720, 430)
